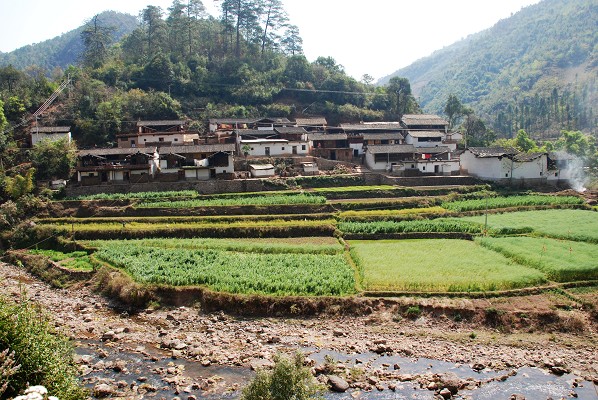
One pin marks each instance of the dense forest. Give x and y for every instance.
(535, 71)
(182, 62)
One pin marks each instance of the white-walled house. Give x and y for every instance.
(40, 133)
(424, 138)
(504, 164)
(158, 133)
(273, 147)
(391, 157)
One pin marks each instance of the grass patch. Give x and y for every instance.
(76, 260)
(441, 265)
(233, 271)
(579, 225)
(561, 261)
(510, 201)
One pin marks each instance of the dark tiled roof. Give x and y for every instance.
(382, 136)
(433, 150)
(423, 119)
(424, 134)
(290, 129)
(201, 148)
(483, 152)
(51, 129)
(161, 123)
(392, 149)
(255, 132)
(525, 157)
(116, 151)
(327, 136)
(380, 126)
(232, 120)
(311, 121)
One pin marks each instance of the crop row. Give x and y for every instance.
(234, 272)
(511, 201)
(317, 245)
(239, 201)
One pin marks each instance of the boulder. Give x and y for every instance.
(337, 384)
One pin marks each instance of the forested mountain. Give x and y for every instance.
(66, 49)
(536, 71)
(183, 63)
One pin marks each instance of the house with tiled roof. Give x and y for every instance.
(158, 133)
(197, 162)
(40, 133)
(116, 165)
(505, 164)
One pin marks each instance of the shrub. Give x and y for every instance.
(289, 379)
(45, 357)
(413, 312)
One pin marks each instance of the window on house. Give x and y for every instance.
(176, 139)
(282, 148)
(507, 175)
(160, 139)
(424, 168)
(132, 142)
(145, 140)
(302, 147)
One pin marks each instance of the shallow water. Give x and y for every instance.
(533, 383)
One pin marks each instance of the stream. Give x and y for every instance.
(152, 373)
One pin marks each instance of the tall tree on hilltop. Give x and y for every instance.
(291, 42)
(242, 18)
(275, 18)
(155, 29)
(96, 39)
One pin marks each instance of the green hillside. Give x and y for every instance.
(535, 71)
(65, 50)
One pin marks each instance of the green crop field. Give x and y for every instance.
(233, 271)
(138, 195)
(436, 266)
(511, 201)
(256, 200)
(561, 260)
(580, 225)
(389, 227)
(311, 245)
(364, 214)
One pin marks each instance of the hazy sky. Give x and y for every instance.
(376, 37)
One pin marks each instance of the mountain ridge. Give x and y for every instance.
(65, 49)
(518, 63)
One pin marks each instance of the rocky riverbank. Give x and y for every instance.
(217, 341)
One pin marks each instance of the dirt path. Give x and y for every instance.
(219, 339)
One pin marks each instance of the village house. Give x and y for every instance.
(408, 160)
(40, 133)
(332, 146)
(225, 130)
(312, 124)
(504, 164)
(362, 135)
(424, 122)
(158, 133)
(116, 165)
(279, 141)
(197, 162)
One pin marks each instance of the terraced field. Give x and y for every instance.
(302, 242)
